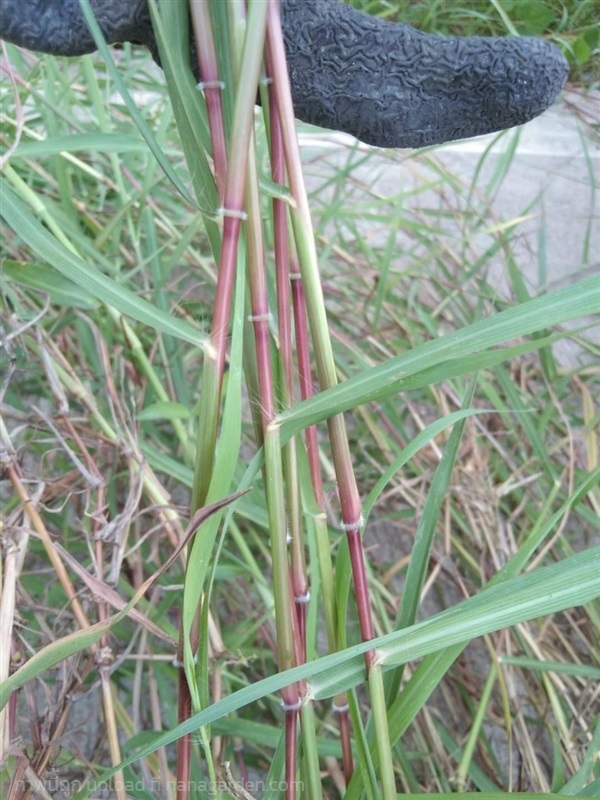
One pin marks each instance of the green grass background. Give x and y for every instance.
(108, 286)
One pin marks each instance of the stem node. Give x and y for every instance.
(234, 213)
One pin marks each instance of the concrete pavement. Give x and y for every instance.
(552, 180)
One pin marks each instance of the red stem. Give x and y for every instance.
(282, 260)
(291, 726)
(303, 354)
(347, 758)
(225, 282)
(184, 744)
(348, 490)
(305, 379)
(212, 87)
(259, 299)
(282, 272)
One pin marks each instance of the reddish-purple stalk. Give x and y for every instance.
(300, 602)
(312, 449)
(241, 764)
(184, 709)
(345, 739)
(299, 642)
(282, 272)
(291, 744)
(212, 88)
(282, 260)
(184, 744)
(259, 300)
(348, 490)
(230, 183)
(231, 230)
(305, 380)
(220, 327)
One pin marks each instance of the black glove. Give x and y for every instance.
(385, 83)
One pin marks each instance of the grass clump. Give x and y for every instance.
(464, 657)
(571, 24)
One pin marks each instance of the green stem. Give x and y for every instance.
(278, 529)
(382, 733)
(233, 214)
(326, 370)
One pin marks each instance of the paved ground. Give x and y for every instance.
(557, 160)
(554, 179)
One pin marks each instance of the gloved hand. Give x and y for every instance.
(386, 83)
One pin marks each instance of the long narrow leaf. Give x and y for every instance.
(57, 651)
(457, 348)
(573, 582)
(25, 225)
(131, 106)
(421, 550)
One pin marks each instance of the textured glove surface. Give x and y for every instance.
(58, 27)
(393, 86)
(386, 83)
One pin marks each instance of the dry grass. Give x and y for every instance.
(97, 471)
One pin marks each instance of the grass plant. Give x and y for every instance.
(571, 24)
(297, 503)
